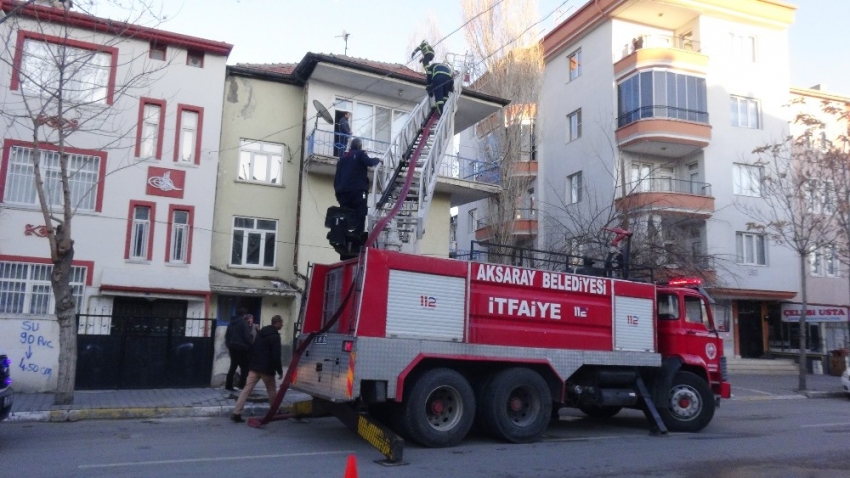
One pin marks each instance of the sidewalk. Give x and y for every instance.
(158, 403)
(217, 402)
(778, 387)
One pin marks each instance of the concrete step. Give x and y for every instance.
(762, 366)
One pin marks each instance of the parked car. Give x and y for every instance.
(6, 391)
(845, 381)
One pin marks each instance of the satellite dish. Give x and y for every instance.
(323, 112)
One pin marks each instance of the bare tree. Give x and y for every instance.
(793, 208)
(63, 101)
(510, 65)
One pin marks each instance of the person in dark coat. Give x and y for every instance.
(439, 83)
(343, 134)
(351, 182)
(237, 339)
(265, 362)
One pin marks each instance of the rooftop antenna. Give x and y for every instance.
(344, 36)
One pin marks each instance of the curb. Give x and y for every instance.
(132, 413)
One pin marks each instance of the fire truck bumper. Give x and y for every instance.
(723, 389)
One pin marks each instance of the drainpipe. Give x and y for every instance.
(301, 162)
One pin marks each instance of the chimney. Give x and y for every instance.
(819, 87)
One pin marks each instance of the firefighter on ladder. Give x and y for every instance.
(439, 83)
(427, 52)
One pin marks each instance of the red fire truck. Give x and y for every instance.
(433, 346)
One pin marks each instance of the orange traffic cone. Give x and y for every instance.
(351, 467)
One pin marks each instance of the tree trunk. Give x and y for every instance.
(802, 358)
(66, 308)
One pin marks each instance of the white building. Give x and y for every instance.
(144, 157)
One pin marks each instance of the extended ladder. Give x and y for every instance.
(403, 186)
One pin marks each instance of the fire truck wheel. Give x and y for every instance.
(690, 404)
(516, 405)
(595, 411)
(440, 408)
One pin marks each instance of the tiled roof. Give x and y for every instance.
(272, 68)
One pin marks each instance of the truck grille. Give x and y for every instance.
(724, 369)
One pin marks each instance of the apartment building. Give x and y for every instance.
(279, 150)
(143, 158)
(655, 108)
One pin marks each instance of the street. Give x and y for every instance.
(789, 438)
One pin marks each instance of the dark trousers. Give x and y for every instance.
(238, 358)
(442, 88)
(355, 200)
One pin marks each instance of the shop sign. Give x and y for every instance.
(814, 313)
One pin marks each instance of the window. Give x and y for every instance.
(574, 188)
(751, 249)
(668, 307)
(85, 169)
(824, 262)
(745, 112)
(747, 179)
(158, 52)
(575, 64)
(473, 220)
(260, 161)
(695, 311)
(693, 177)
(375, 125)
(195, 58)
(140, 226)
(742, 47)
(178, 250)
(87, 69)
(25, 287)
(820, 197)
(661, 94)
(253, 242)
(640, 182)
(187, 147)
(150, 129)
(574, 125)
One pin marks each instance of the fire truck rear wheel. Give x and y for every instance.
(689, 404)
(516, 405)
(440, 408)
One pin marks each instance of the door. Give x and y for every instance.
(751, 338)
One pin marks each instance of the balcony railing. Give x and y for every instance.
(527, 214)
(660, 41)
(668, 185)
(327, 143)
(660, 111)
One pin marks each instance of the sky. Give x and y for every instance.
(282, 31)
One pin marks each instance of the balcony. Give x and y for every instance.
(465, 179)
(523, 169)
(672, 196)
(663, 131)
(661, 51)
(522, 226)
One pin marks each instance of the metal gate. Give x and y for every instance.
(135, 352)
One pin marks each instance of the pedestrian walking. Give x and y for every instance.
(237, 339)
(265, 361)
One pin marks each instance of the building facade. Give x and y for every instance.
(280, 146)
(655, 108)
(142, 153)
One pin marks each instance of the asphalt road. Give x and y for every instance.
(751, 439)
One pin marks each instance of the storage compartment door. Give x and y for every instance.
(425, 306)
(634, 324)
